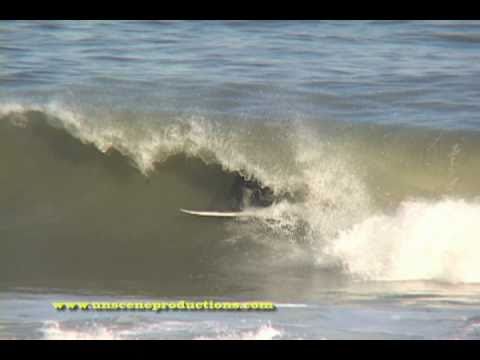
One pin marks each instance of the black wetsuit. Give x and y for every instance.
(250, 193)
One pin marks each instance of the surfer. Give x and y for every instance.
(246, 193)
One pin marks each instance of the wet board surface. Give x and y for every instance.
(222, 214)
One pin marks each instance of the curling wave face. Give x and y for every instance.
(89, 195)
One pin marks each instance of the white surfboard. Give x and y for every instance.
(223, 214)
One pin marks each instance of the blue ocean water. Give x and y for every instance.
(413, 72)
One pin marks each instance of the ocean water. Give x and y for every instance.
(367, 132)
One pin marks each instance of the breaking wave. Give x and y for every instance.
(100, 191)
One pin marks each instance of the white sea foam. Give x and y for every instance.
(422, 240)
(264, 332)
(291, 305)
(54, 330)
